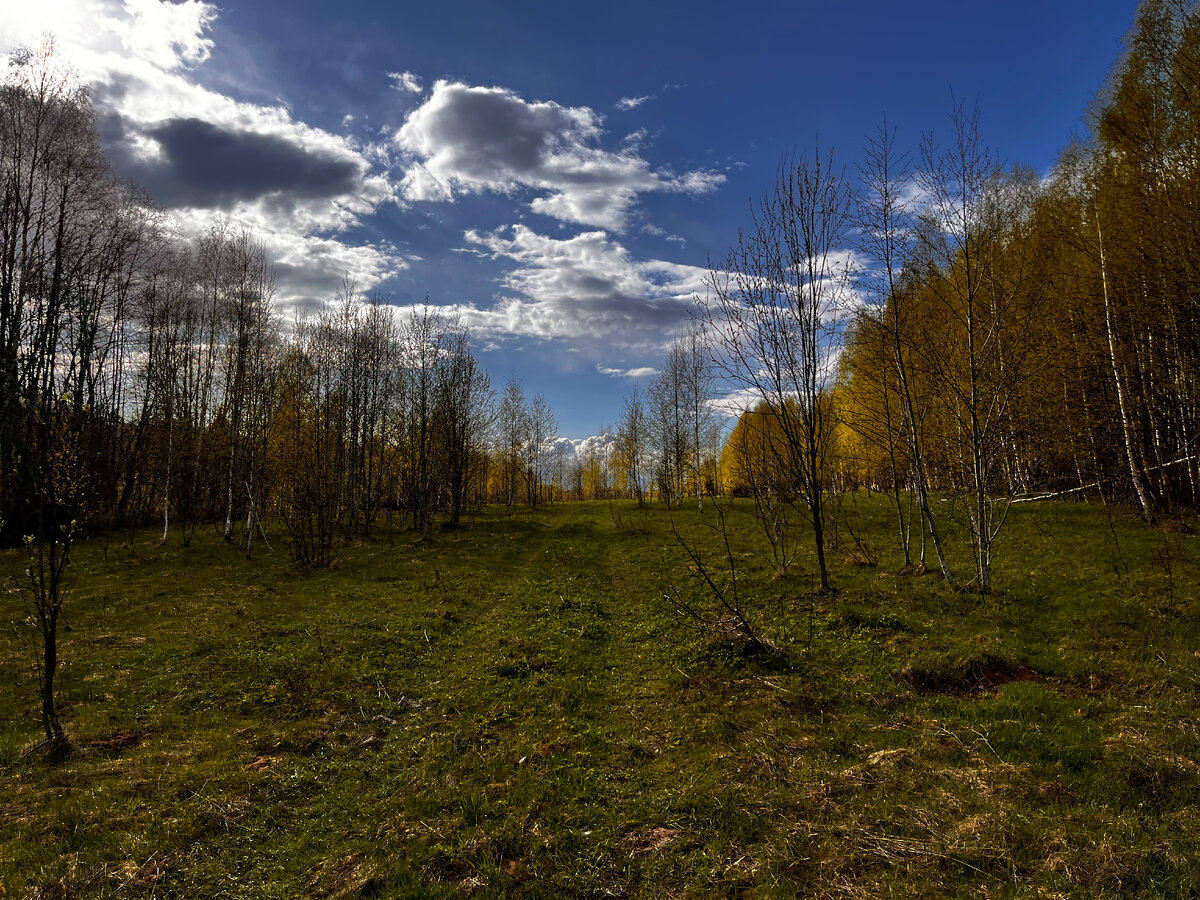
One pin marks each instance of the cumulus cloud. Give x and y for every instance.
(204, 164)
(203, 154)
(595, 446)
(309, 268)
(466, 139)
(735, 402)
(587, 286)
(310, 271)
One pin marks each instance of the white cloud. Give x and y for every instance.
(203, 154)
(309, 268)
(736, 402)
(627, 103)
(912, 195)
(593, 446)
(639, 372)
(633, 142)
(655, 231)
(165, 36)
(465, 140)
(171, 35)
(587, 286)
(406, 82)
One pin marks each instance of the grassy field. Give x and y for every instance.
(513, 708)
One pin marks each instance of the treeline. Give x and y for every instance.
(1081, 296)
(948, 327)
(1009, 336)
(148, 377)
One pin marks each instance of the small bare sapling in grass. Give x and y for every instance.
(713, 601)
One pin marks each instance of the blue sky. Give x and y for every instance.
(555, 174)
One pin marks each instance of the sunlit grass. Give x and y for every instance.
(513, 707)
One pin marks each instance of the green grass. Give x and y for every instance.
(513, 708)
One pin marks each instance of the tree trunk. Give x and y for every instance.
(1126, 427)
(58, 746)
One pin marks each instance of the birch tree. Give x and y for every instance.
(772, 309)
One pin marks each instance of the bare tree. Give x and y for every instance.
(194, 378)
(543, 429)
(70, 241)
(632, 441)
(375, 388)
(888, 235)
(773, 310)
(982, 353)
(247, 382)
(423, 342)
(676, 417)
(465, 412)
(311, 463)
(756, 459)
(716, 604)
(697, 384)
(512, 431)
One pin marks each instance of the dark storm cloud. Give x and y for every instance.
(205, 165)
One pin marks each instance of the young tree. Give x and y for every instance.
(887, 227)
(464, 415)
(195, 484)
(755, 464)
(631, 446)
(539, 448)
(309, 440)
(681, 419)
(773, 311)
(424, 339)
(668, 415)
(977, 340)
(375, 388)
(697, 391)
(247, 372)
(512, 433)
